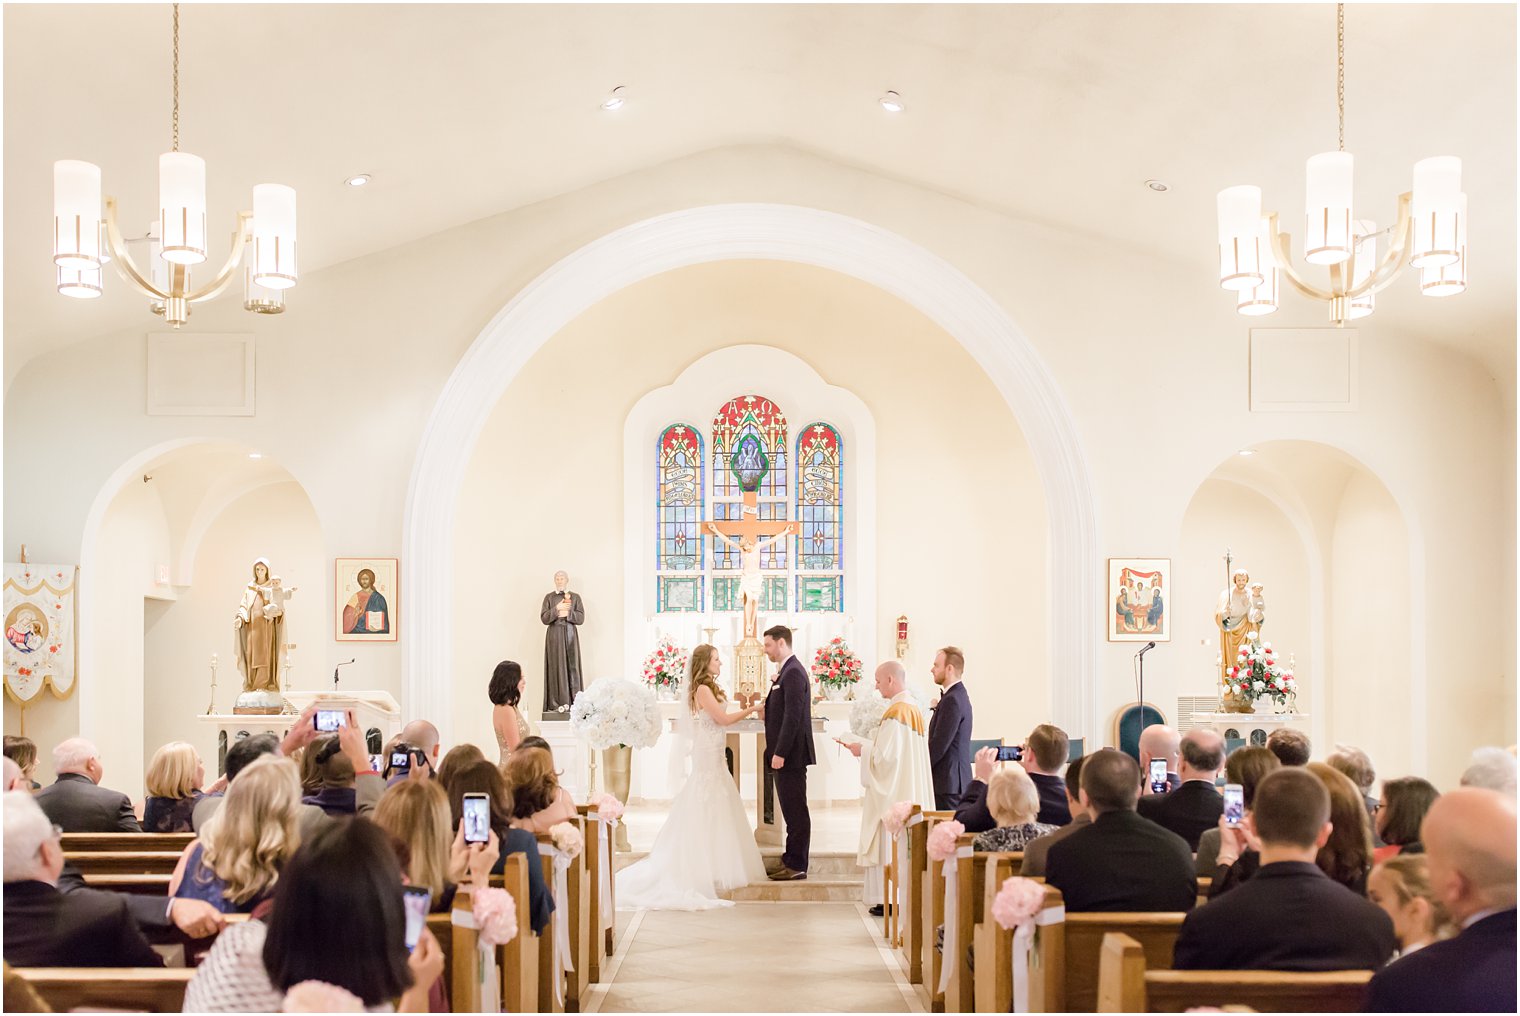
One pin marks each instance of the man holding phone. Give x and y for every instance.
(1195, 805)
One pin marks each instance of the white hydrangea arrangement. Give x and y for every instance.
(614, 711)
(868, 707)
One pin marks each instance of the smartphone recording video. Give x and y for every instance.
(476, 819)
(1234, 804)
(417, 900)
(1159, 784)
(328, 720)
(1010, 752)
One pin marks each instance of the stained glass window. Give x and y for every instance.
(749, 436)
(820, 511)
(681, 506)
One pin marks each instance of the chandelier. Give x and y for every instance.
(1429, 233)
(83, 242)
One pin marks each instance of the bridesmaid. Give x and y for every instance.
(506, 691)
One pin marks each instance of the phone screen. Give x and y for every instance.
(1234, 804)
(476, 819)
(417, 900)
(374, 762)
(1158, 776)
(328, 720)
(1010, 752)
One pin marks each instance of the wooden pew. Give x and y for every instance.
(519, 960)
(576, 915)
(1063, 971)
(931, 911)
(78, 843)
(120, 862)
(142, 885)
(582, 886)
(599, 844)
(1125, 984)
(993, 946)
(910, 922)
(145, 989)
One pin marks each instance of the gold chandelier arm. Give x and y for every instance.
(122, 260)
(1281, 251)
(1395, 259)
(214, 288)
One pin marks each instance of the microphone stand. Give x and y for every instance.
(1141, 657)
(347, 662)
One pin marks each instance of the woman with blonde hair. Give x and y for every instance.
(174, 780)
(1014, 801)
(236, 861)
(1401, 886)
(416, 812)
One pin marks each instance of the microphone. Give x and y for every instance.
(347, 662)
(1148, 647)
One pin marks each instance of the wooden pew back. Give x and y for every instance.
(993, 945)
(1063, 971)
(932, 912)
(141, 885)
(78, 843)
(143, 989)
(121, 862)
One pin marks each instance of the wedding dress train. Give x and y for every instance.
(706, 845)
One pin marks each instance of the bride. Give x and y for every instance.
(706, 845)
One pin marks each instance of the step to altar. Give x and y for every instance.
(833, 877)
(831, 865)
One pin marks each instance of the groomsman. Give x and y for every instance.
(950, 731)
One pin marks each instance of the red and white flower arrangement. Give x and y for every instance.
(835, 665)
(666, 666)
(1257, 674)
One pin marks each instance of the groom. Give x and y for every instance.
(789, 749)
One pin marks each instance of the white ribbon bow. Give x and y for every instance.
(949, 956)
(604, 867)
(490, 981)
(562, 951)
(1023, 938)
(903, 859)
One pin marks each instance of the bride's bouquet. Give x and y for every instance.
(614, 711)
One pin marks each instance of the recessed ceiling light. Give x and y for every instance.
(1159, 186)
(255, 455)
(614, 99)
(358, 181)
(892, 103)
(1247, 451)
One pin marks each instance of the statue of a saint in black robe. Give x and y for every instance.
(562, 613)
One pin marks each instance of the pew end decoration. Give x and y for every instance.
(896, 818)
(942, 840)
(495, 916)
(608, 808)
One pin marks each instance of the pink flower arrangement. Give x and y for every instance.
(896, 818)
(666, 666)
(836, 665)
(495, 916)
(319, 996)
(942, 840)
(567, 839)
(608, 808)
(1017, 902)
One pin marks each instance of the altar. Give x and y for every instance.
(1252, 728)
(373, 711)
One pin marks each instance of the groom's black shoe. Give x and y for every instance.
(878, 911)
(785, 874)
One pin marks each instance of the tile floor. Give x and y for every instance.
(753, 957)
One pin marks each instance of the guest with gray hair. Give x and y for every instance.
(76, 802)
(48, 928)
(1491, 769)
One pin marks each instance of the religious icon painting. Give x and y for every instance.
(41, 630)
(367, 594)
(1138, 591)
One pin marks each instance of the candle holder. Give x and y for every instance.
(211, 706)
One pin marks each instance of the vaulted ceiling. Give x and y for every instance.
(1052, 113)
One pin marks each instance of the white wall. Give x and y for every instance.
(366, 346)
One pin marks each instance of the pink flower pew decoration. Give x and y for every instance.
(896, 818)
(1017, 903)
(942, 840)
(319, 996)
(609, 808)
(495, 916)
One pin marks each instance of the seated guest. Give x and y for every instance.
(23, 752)
(1493, 768)
(1290, 915)
(416, 762)
(538, 801)
(310, 769)
(416, 812)
(1160, 741)
(424, 739)
(337, 917)
(175, 776)
(1401, 886)
(485, 778)
(1469, 837)
(1400, 811)
(1347, 856)
(48, 928)
(1044, 752)
(1245, 767)
(236, 861)
(1357, 767)
(1014, 803)
(1120, 861)
(1035, 852)
(457, 758)
(1194, 805)
(534, 741)
(1290, 746)
(75, 803)
(337, 798)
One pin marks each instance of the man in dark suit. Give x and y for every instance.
(1037, 850)
(789, 749)
(47, 928)
(1120, 861)
(1290, 915)
(75, 802)
(1195, 806)
(950, 731)
(1469, 838)
(1159, 741)
(1044, 752)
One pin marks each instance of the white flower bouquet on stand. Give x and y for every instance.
(614, 712)
(867, 709)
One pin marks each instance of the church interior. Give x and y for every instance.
(994, 334)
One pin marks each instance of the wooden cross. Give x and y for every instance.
(749, 527)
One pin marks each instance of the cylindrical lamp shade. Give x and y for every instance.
(1327, 217)
(1240, 244)
(1263, 298)
(158, 268)
(259, 298)
(1364, 263)
(76, 214)
(182, 207)
(274, 236)
(1437, 212)
(1449, 280)
(80, 283)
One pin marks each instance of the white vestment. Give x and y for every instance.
(894, 766)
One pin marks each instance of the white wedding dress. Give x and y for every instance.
(705, 846)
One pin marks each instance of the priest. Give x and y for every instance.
(894, 767)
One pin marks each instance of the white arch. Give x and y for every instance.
(866, 252)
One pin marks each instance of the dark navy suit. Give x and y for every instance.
(1474, 972)
(950, 747)
(789, 734)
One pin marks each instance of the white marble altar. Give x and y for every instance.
(1253, 727)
